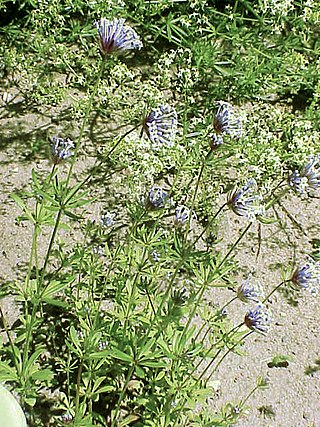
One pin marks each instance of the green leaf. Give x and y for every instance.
(55, 302)
(105, 389)
(128, 420)
(32, 360)
(31, 401)
(118, 354)
(43, 375)
(54, 287)
(153, 363)
(22, 206)
(7, 373)
(280, 361)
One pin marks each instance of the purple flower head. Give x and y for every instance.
(61, 149)
(246, 201)
(182, 215)
(259, 319)
(108, 219)
(115, 36)
(308, 179)
(308, 276)
(226, 120)
(156, 197)
(161, 125)
(249, 291)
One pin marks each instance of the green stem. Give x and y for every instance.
(222, 358)
(79, 374)
(274, 290)
(234, 245)
(128, 378)
(41, 288)
(204, 287)
(121, 138)
(5, 325)
(86, 117)
(234, 329)
(111, 265)
(212, 219)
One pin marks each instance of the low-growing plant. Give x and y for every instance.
(114, 328)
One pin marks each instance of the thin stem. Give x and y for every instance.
(208, 367)
(234, 329)
(213, 218)
(90, 102)
(234, 245)
(223, 357)
(275, 289)
(128, 378)
(6, 327)
(79, 374)
(121, 138)
(112, 263)
(249, 395)
(41, 288)
(292, 219)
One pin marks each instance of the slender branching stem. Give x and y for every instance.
(124, 388)
(222, 358)
(6, 328)
(79, 375)
(275, 289)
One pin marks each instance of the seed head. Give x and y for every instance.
(308, 276)
(115, 36)
(246, 201)
(259, 319)
(161, 126)
(61, 149)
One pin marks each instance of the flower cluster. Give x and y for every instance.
(61, 149)
(227, 122)
(108, 219)
(115, 36)
(161, 126)
(308, 179)
(182, 215)
(246, 201)
(259, 319)
(156, 197)
(308, 276)
(249, 291)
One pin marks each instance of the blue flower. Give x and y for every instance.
(308, 179)
(61, 149)
(249, 291)
(157, 197)
(246, 201)
(161, 125)
(308, 276)
(226, 120)
(108, 219)
(116, 36)
(259, 319)
(182, 215)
